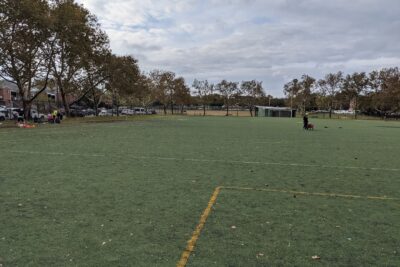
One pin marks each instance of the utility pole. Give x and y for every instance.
(291, 103)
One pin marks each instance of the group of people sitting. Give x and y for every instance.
(55, 117)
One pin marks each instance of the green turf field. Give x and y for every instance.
(132, 193)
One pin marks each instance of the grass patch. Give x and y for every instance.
(253, 228)
(143, 184)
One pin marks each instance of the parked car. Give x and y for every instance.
(76, 113)
(2, 116)
(37, 116)
(127, 111)
(140, 111)
(343, 112)
(12, 113)
(120, 109)
(89, 112)
(151, 112)
(103, 112)
(4, 112)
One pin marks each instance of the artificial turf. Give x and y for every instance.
(131, 193)
(256, 228)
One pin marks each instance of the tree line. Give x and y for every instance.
(375, 93)
(58, 44)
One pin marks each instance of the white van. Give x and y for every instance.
(127, 111)
(36, 115)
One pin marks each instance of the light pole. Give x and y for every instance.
(291, 103)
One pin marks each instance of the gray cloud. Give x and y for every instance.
(273, 41)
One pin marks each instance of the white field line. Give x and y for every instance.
(54, 153)
(9, 143)
(202, 160)
(260, 142)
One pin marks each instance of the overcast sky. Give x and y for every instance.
(269, 40)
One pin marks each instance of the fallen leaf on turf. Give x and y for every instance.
(233, 227)
(259, 255)
(103, 243)
(315, 257)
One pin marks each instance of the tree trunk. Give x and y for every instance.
(204, 110)
(251, 111)
(96, 109)
(355, 109)
(27, 108)
(65, 104)
(172, 108)
(227, 108)
(165, 109)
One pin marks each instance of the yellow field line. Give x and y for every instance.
(192, 242)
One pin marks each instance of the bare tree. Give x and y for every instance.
(353, 86)
(204, 90)
(227, 90)
(307, 83)
(292, 89)
(145, 93)
(252, 90)
(329, 87)
(181, 93)
(385, 90)
(163, 82)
